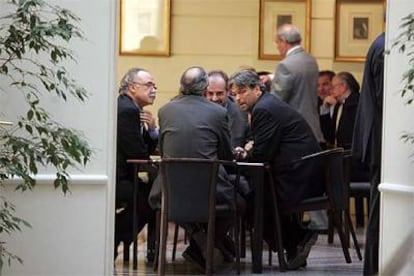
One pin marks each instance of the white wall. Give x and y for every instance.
(73, 234)
(397, 187)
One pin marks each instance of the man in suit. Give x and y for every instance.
(217, 92)
(191, 117)
(296, 77)
(345, 91)
(280, 136)
(367, 142)
(326, 103)
(137, 138)
(296, 82)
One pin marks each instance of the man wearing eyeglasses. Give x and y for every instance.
(137, 137)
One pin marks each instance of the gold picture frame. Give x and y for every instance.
(274, 13)
(145, 27)
(357, 24)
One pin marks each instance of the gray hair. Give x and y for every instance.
(194, 81)
(246, 78)
(128, 78)
(289, 33)
(349, 80)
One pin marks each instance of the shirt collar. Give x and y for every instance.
(293, 48)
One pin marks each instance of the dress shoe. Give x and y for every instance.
(299, 259)
(195, 257)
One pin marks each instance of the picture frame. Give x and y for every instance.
(145, 27)
(357, 24)
(274, 13)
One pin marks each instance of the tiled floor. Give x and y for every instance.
(324, 259)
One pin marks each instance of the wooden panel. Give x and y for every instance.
(323, 8)
(215, 8)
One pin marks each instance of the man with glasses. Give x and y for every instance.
(137, 138)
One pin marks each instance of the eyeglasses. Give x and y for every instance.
(148, 85)
(336, 84)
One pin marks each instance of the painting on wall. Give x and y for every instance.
(357, 24)
(145, 27)
(273, 14)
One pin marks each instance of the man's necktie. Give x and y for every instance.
(338, 118)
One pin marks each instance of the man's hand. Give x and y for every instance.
(148, 119)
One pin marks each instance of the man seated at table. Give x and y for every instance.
(137, 138)
(191, 117)
(280, 135)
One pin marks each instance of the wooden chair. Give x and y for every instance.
(188, 196)
(335, 200)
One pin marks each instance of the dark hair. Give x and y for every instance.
(245, 78)
(328, 73)
(194, 81)
(349, 80)
(219, 73)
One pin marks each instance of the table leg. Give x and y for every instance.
(134, 219)
(257, 176)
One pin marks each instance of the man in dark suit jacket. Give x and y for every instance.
(137, 138)
(345, 90)
(281, 135)
(367, 142)
(326, 102)
(191, 126)
(296, 77)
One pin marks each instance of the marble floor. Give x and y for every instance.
(324, 259)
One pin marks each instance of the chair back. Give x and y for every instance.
(189, 188)
(335, 179)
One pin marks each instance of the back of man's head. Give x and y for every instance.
(290, 34)
(194, 81)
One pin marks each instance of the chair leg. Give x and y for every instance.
(330, 228)
(351, 228)
(243, 238)
(270, 257)
(125, 252)
(339, 228)
(157, 239)
(163, 243)
(176, 229)
(359, 211)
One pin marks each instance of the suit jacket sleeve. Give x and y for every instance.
(225, 150)
(282, 83)
(267, 136)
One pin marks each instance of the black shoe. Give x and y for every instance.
(299, 259)
(195, 257)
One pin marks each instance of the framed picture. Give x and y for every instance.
(145, 27)
(274, 13)
(357, 24)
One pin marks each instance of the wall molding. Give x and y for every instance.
(74, 179)
(395, 188)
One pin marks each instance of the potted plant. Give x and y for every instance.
(34, 48)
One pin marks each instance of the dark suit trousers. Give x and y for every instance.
(123, 220)
(372, 232)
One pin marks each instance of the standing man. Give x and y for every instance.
(281, 135)
(296, 83)
(296, 77)
(367, 143)
(217, 92)
(137, 138)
